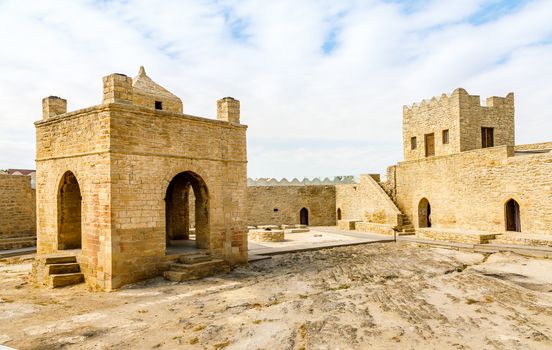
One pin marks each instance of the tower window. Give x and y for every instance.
(487, 137)
(445, 137)
(158, 105)
(413, 143)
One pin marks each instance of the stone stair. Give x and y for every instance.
(58, 271)
(407, 228)
(195, 266)
(17, 242)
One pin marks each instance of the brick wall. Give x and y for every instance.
(281, 204)
(17, 206)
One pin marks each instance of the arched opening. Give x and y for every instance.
(513, 219)
(187, 211)
(338, 213)
(69, 213)
(304, 217)
(424, 213)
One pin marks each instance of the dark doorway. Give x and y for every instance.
(513, 219)
(487, 137)
(187, 210)
(338, 213)
(424, 213)
(69, 213)
(304, 216)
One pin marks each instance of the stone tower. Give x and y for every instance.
(113, 181)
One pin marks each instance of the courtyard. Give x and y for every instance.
(379, 295)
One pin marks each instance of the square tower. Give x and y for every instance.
(457, 123)
(114, 182)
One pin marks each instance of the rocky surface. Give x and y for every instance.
(369, 296)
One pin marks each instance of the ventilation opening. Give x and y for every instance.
(338, 213)
(158, 105)
(275, 209)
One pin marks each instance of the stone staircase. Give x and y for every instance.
(407, 228)
(195, 266)
(57, 271)
(17, 242)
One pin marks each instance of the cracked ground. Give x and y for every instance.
(395, 295)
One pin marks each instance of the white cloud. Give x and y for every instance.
(309, 111)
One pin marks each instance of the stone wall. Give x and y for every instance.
(463, 116)
(469, 190)
(282, 204)
(17, 206)
(366, 201)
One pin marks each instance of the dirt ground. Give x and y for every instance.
(369, 296)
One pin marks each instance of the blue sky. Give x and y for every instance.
(321, 83)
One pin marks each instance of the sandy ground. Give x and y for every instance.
(370, 296)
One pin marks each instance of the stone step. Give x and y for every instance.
(194, 258)
(187, 272)
(66, 279)
(57, 269)
(17, 242)
(60, 259)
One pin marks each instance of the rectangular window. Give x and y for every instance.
(158, 105)
(487, 137)
(445, 137)
(413, 143)
(429, 145)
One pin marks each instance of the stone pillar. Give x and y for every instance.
(117, 88)
(228, 110)
(52, 106)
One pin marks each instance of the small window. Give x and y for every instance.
(275, 209)
(445, 137)
(413, 143)
(487, 137)
(158, 105)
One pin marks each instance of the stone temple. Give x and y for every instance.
(114, 183)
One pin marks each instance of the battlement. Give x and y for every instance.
(455, 123)
(337, 180)
(459, 94)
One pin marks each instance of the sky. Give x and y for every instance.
(322, 83)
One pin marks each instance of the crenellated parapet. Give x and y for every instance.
(455, 123)
(316, 181)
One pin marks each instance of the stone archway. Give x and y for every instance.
(177, 210)
(424, 213)
(69, 213)
(304, 216)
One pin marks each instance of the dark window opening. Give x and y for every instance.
(413, 143)
(158, 105)
(429, 145)
(445, 137)
(339, 214)
(275, 209)
(487, 137)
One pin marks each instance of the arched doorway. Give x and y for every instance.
(513, 218)
(69, 213)
(338, 213)
(424, 213)
(187, 196)
(304, 217)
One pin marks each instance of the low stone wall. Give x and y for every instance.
(524, 239)
(459, 236)
(347, 224)
(266, 235)
(381, 229)
(17, 206)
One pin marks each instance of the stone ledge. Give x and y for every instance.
(347, 224)
(455, 235)
(384, 229)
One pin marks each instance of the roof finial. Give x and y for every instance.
(142, 71)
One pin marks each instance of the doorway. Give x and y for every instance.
(424, 213)
(304, 216)
(513, 218)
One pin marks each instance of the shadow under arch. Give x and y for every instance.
(69, 202)
(177, 210)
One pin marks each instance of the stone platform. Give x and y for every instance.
(455, 235)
